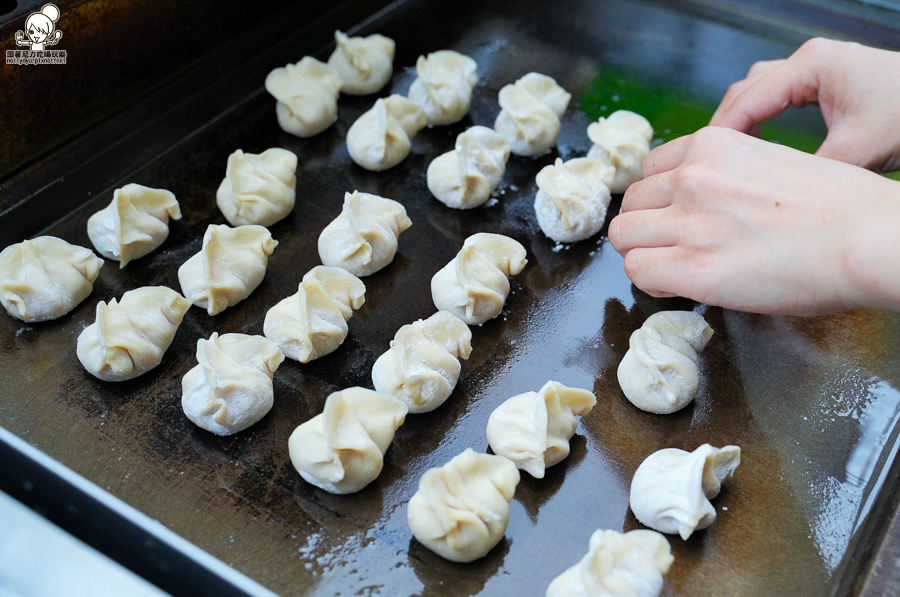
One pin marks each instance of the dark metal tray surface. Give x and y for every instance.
(812, 402)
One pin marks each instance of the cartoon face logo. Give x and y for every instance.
(40, 27)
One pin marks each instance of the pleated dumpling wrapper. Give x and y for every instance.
(461, 509)
(617, 564)
(364, 237)
(623, 141)
(421, 367)
(530, 112)
(381, 138)
(231, 387)
(444, 86)
(660, 372)
(572, 198)
(45, 278)
(307, 95)
(533, 429)
(131, 335)
(258, 188)
(465, 177)
(342, 449)
(365, 64)
(230, 266)
(313, 322)
(475, 284)
(671, 489)
(135, 223)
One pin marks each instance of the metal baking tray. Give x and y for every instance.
(812, 402)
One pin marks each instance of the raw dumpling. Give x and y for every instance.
(623, 141)
(307, 95)
(130, 336)
(134, 223)
(258, 188)
(671, 489)
(342, 449)
(660, 373)
(364, 237)
(531, 109)
(533, 429)
(628, 564)
(45, 278)
(231, 387)
(421, 367)
(364, 64)
(465, 177)
(230, 266)
(461, 509)
(444, 86)
(380, 138)
(475, 284)
(313, 322)
(572, 198)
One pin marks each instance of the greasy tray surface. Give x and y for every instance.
(811, 402)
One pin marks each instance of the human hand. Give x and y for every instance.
(727, 219)
(855, 86)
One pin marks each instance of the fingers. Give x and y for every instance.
(651, 193)
(666, 157)
(641, 229)
(661, 272)
(768, 93)
(762, 66)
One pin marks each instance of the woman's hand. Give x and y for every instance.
(726, 219)
(856, 87)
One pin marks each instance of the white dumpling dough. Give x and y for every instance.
(475, 284)
(307, 95)
(531, 109)
(230, 266)
(444, 86)
(533, 429)
(671, 489)
(617, 564)
(342, 449)
(45, 278)
(461, 509)
(258, 188)
(381, 138)
(131, 335)
(572, 198)
(313, 322)
(421, 367)
(135, 223)
(231, 387)
(622, 141)
(364, 237)
(660, 373)
(364, 64)
(465, 177)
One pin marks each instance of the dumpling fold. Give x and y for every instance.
(313, 322)
(421, 367)
(45, 278)
(382, 137)
(475, 284)
(135, 223)
(572, 198)
(365, 64)
(131, 335)
(533, 429)
(465, 177)
(306, 95)
(231, 264)
(443, 88)
(230, 389)
(622, 141)
(364, 237)
(530, 114)
(342, 449)
(461, 509)
(258, 188)
(671, 489)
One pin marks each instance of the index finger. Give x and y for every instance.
(666, 157)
